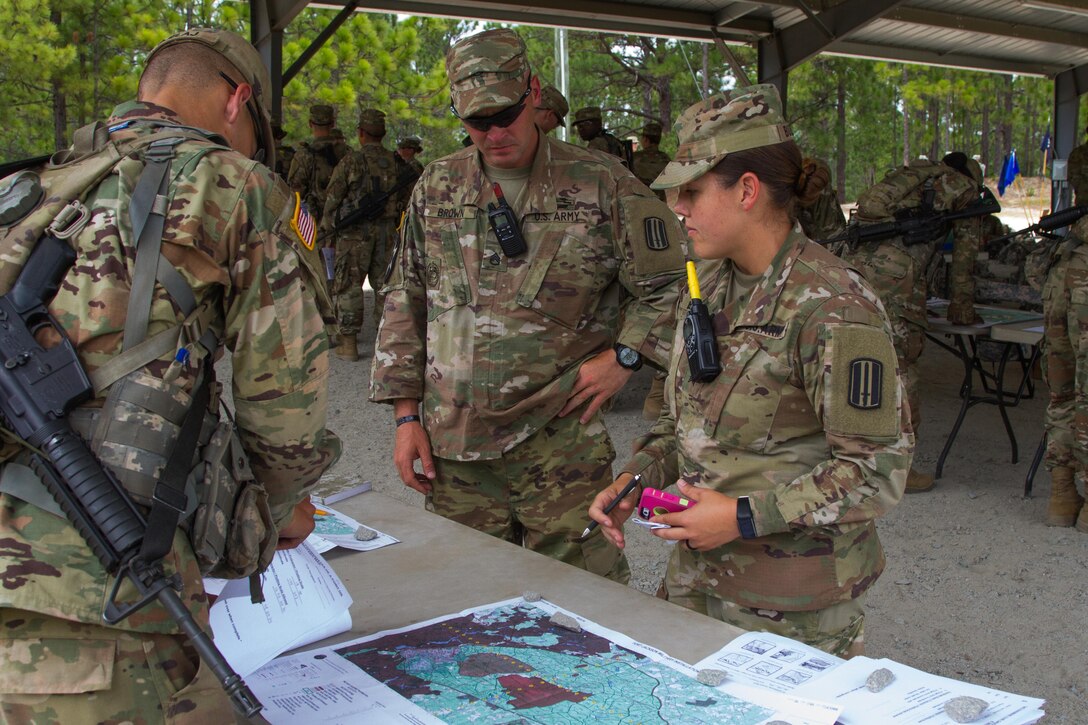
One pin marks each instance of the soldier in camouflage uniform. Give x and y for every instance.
(649, 160)
(312, 166)
(823, 218)
(803, 439)
(228, 232)
(588, 124)
(512, 355)
(1077, 172)
(407, 149)
(363, 248)
(897, 270)
(1065, 314)
(553, 109)
(285, 153)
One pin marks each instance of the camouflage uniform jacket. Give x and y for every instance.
(604, 141)
(807, 418)
(824, 218)
(649, 163)
(311, 169)
(370, 170)
(491, 344)
(227, 232)
(1077, 172)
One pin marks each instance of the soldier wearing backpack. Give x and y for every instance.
(896, 267)
(313, 164)
(184, 241)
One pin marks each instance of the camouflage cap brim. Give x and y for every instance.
(678, 173)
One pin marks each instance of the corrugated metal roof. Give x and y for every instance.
(1035, 37)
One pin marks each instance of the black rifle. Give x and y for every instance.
(916, 226)
(629, 153)
(373, 204)
(39, 387)
(1047, 224)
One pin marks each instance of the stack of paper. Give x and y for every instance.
(333, 528)
(780, 664)
(304, 602)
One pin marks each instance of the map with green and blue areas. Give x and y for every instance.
(510, 664)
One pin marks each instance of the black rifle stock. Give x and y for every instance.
(371, 206)
(39, 388)
(1048, 223)
(915, 228)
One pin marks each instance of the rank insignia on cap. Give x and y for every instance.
(657, 238)
(303, 224)
(866, 381)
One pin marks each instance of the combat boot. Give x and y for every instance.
(348, 348)
(1065, 503)
(919, 482)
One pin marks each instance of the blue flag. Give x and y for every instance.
(1046, 141)
(1009, 171)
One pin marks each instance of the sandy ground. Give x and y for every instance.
(976, 587)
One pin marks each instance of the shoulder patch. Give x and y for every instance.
(861, 388)
(654, 236)
(303, 224)
(657, 238)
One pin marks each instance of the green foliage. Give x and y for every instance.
(64, 63)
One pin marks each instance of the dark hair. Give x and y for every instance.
(192, 66)
(779, 167)
(652, 138)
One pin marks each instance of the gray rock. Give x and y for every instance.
(965, 709)
(364, 534)
(711, 678)
(879, 679)
(531, 596)
(566, 622)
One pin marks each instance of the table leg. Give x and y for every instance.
(965, 396)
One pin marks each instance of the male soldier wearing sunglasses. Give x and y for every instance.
(532, 278)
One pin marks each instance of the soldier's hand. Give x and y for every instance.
(612, 523)
(299, 527)
(963, 313)
(412, 443)
(710, 522)
(599, 378)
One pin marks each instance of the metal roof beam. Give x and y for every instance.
(986, 26)
(950, 60)
(599, 15)
(791, 46)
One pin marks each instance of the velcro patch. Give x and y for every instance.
(657, 238)
(861, 390)
(653, 235)
(303, 224)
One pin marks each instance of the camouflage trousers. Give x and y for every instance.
(361, 253)
(1065, 364)
(838, 629)
(56, 671)
(897, 273)
(538, 494)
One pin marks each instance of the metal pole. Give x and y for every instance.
(562, 73)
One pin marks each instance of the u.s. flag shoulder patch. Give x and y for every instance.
(303, 224)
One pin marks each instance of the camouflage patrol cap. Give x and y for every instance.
(552, 100)
(372, 119)
(410, 142)
(245, 58)
(322, 115)
(740, 119)
(653, 130)
(589, 113)
(487, 72)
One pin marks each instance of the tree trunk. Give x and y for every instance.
(987, 162)
(906, 122)
(60, 104)
(840, 137)
(706, 69)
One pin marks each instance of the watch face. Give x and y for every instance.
(627, 356)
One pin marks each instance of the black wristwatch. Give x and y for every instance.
(745, 522)
(628, 358)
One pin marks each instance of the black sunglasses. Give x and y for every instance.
(502, 119)
(258, 128)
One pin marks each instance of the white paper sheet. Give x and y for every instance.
(304, 602)
(333, 528)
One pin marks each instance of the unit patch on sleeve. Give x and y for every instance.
(861, 388)
(866, 378)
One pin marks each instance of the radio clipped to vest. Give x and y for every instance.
(505, 225)
(700, 343)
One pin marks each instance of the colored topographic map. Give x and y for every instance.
(509, 664)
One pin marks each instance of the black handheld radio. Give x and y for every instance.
(700, 343)
(505, 225)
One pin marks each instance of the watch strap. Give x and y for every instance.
(745, 522)
(407, 419)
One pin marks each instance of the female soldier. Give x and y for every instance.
(803, 439)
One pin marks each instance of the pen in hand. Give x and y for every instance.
(614, 502)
